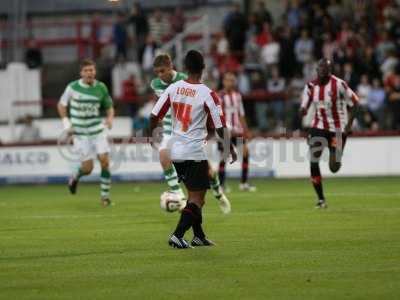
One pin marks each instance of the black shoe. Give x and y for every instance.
(197, 242)
(72, 185)
(178, 243)
(321, 204)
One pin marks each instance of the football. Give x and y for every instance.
(170, 202)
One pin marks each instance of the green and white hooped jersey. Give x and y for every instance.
(159, 87)
(85, 104)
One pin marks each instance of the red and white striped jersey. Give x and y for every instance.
(232, 106)
(191, 104)
(330, 102)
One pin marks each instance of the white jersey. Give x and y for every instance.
(232, 106)
(330, 102)
(191, 104)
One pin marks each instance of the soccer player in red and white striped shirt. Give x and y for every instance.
(232, 106)
(334, 103)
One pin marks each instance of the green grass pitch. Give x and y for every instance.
(274, 245)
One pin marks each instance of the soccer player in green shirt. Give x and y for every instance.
(166, 75)
(80, 109)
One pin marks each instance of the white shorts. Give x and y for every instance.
(164, 142)
(88, 147)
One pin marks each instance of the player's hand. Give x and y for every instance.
(302, 112)
(348, 130)
(233, 154)
(248, 134)
(108, 123)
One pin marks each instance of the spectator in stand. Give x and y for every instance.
(253, 26)
(287, 60)
(350, 76)
(295, 89)
(29, 132)
(376, 104)
(394, 102)
(335, 11)
(177, 21)
(120, 37)
(146, 56)
(229, 63)
(243, 81)
(264, 36)
(130, 97)
(384, 46)
(304, 48)
(363, 118)
(293, 14)
(395, 28)
(252, 53)
(263, 15)
(33, 55)
(235, 27)
(368, 63)
(389, 64)
(276, 87)
(261, 106)
(159, 26)
(270, 54)
(139, 21)
(329, 46)
(222, 45)
(344, 34)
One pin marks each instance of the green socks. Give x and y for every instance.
(105, 184)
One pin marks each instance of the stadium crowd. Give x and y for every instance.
(273, 56)
(362, 40)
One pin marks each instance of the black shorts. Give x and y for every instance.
(194, 174)
(332, 140)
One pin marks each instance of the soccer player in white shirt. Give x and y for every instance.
(191, 102)
(334, 103)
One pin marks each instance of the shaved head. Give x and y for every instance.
(324, 69)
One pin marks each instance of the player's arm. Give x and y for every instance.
(306, 100)
(159, 110)
(107, 104)
(213, 107)
(110, 113)
(62, 108)
(243, 121)
(352, 107)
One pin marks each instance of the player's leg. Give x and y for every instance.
(221, 168)
(317, 142)
(244, 184)
(105, 179)
(195, 177)
(217, 190)
(336, 147)
(170, 174)
(102, 149)
(82, 148)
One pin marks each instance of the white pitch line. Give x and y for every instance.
(298, 195)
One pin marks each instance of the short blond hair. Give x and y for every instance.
(162, 60)
(87, 62)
